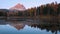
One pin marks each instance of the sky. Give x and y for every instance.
(6, 4)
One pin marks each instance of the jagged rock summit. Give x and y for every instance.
(18, 7)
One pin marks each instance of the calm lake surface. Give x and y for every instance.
(27, 27)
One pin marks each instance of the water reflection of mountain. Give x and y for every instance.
(49, 26)
(15, 24)
(18, 26)
(53, 28)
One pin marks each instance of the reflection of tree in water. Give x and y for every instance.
(53, 28)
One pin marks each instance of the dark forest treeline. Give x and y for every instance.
(52, 9)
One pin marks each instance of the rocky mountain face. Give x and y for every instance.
(18, 6)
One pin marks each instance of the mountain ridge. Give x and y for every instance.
(18, 7)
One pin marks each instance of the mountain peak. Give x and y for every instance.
(18, 7)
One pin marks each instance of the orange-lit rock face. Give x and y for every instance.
(18, 7)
